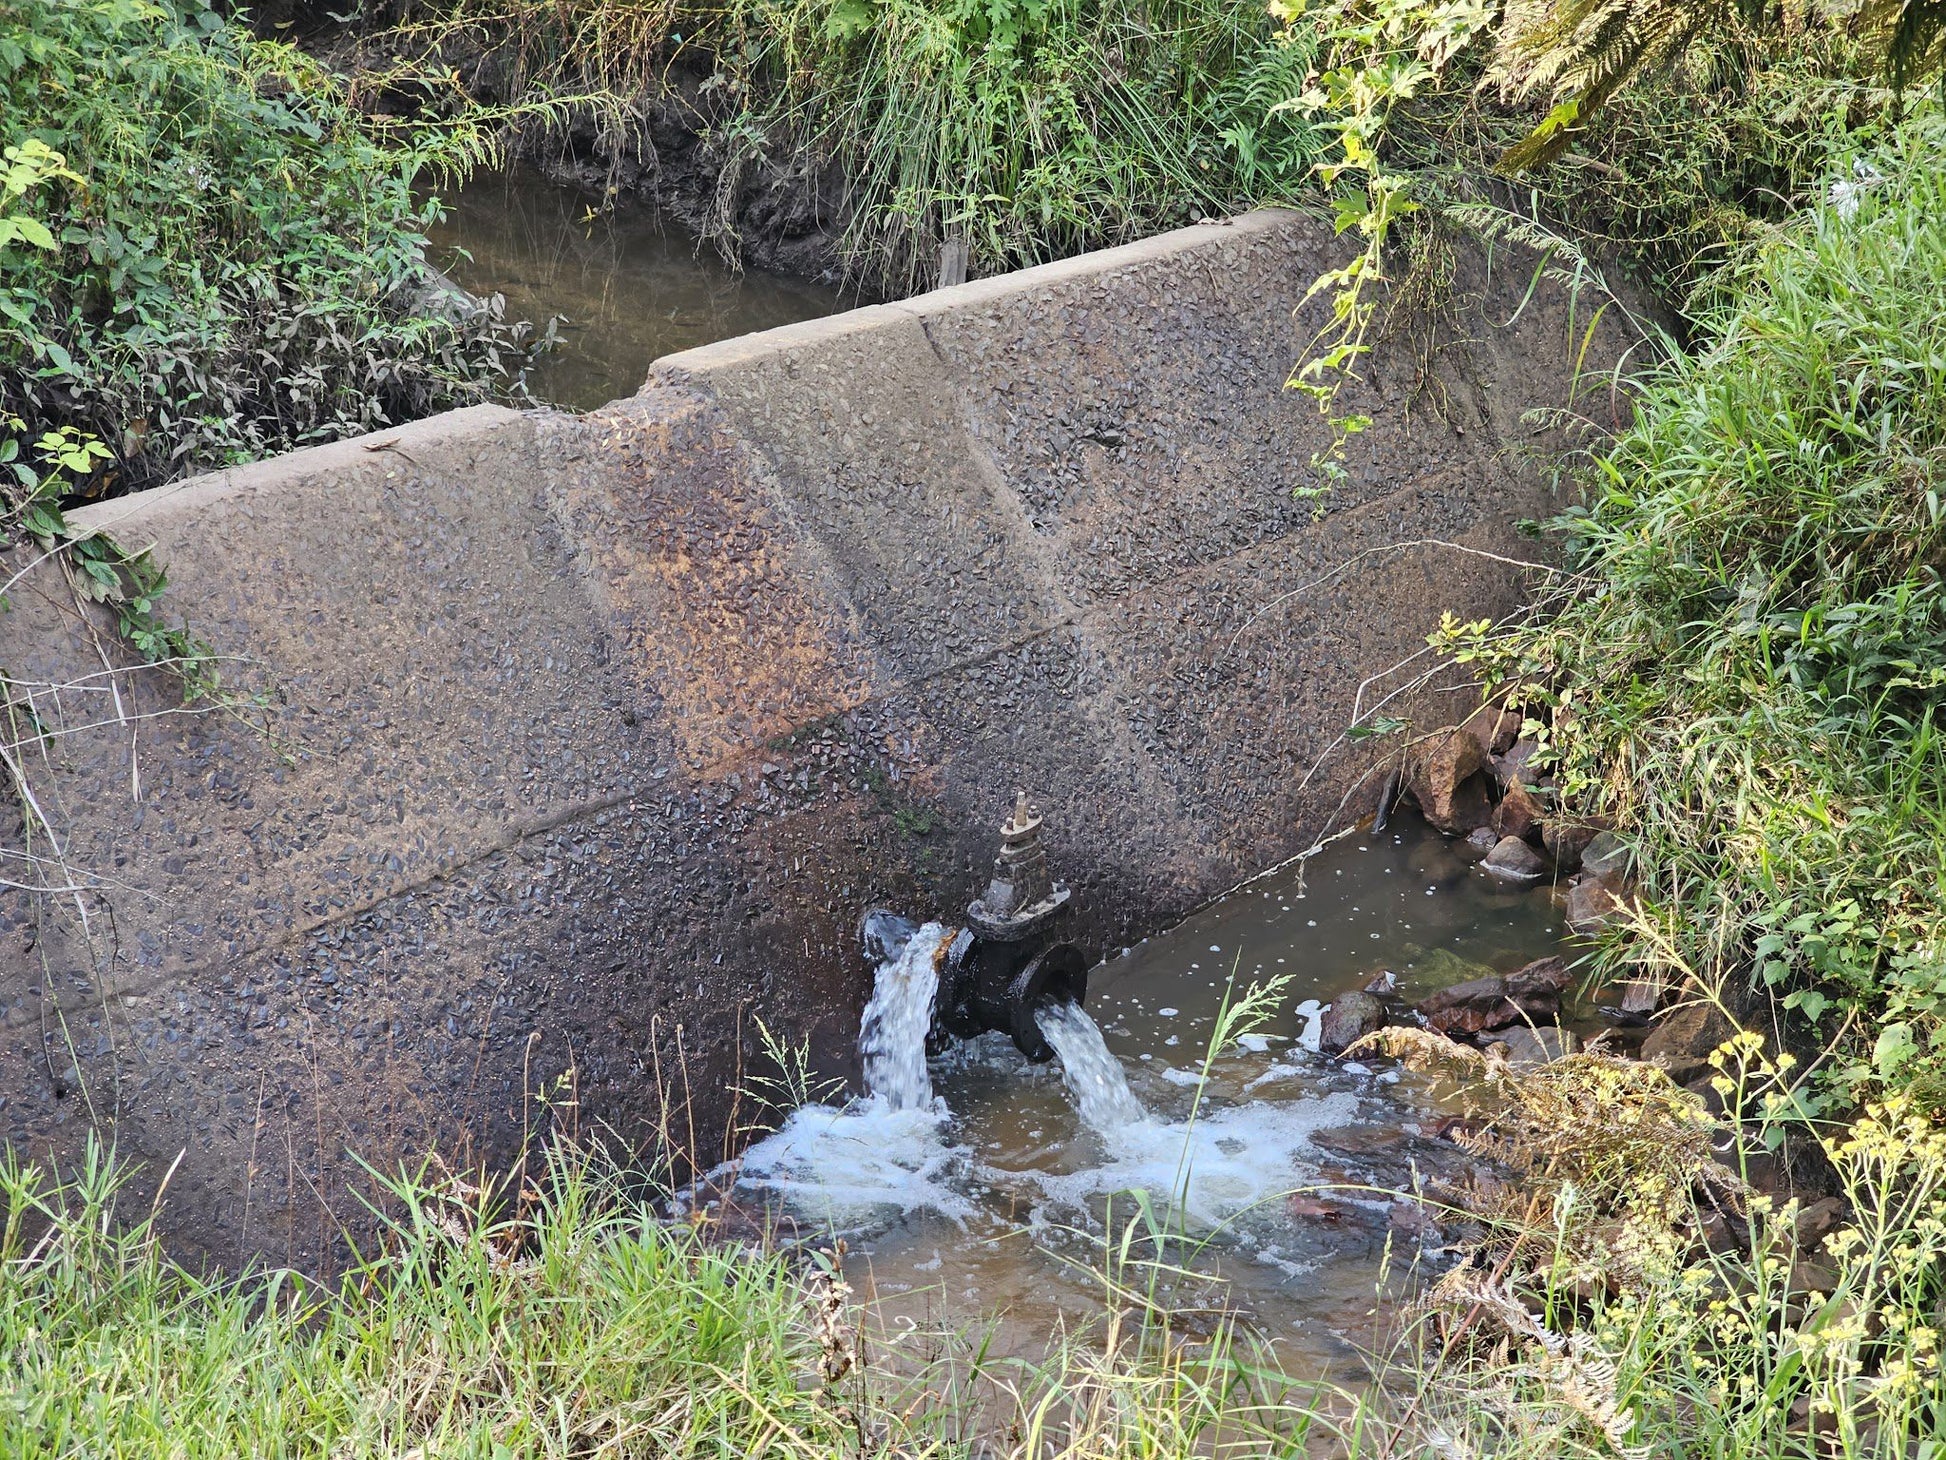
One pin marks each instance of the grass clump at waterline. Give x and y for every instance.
(1629, 1295)
(1745, 667)
(203, 258)
(558, 1318)
(1024, 129)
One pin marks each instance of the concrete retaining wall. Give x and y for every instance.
(584, 741)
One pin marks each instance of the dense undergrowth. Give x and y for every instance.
(203, 258)
(1745, 666)
(1024, 129)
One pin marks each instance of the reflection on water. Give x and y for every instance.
(999, 1199)
(632, 286)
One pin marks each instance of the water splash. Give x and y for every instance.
(1214, 1170)
(1207, 1171)
(847, 1166)
(892, 1038)
(1093, 1076)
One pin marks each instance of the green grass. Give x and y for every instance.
(1027, 129)
(1746, 664)
(565, 1320)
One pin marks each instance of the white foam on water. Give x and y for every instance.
(851, 1166)
(1312, 1013)
(1228, 1162)
(892, 1036)
(1277, 1072)
(1222, 1164)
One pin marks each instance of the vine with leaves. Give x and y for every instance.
(1553, 66)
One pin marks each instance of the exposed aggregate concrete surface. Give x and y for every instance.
(581, 743)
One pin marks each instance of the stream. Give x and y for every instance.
(978, 1185)
(630, 286)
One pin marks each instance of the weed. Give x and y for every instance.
(1745, 668)
(1023, 129)
(203, 260)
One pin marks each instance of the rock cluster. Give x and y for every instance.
(1477, 781)
(1525, 1000)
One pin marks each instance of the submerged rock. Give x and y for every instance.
(1512, 860)
(1350, 1017)
(1529, 994)
(1446, 778)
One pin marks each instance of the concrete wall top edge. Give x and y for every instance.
(1162, 246)
(786, 339)
(125, 515)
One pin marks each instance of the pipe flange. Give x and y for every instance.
(952, 1014)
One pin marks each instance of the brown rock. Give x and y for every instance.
(1566, 838)
(1532, 993)
(1359, 1140)
(1605, 853)
(1494, 726)
(1683, 1038)
(1594, 902)
(1518, 814)
(1510, 768)
(1543, 978)
(1812, 1277)
(1641, 995)
(1524, 1048)
(1818, 1220)
(1349, 1019)
(1470, 1007)
(1512, 860)
(1446, 777)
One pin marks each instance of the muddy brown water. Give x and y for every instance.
(994, 1206)
(629, 284)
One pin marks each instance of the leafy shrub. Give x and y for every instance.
(204, 260)
(1747, 665)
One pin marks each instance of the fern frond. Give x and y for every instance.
(1911, 36)
(1580, 53)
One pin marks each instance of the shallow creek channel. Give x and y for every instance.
(978, 1185)
(629, 285)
